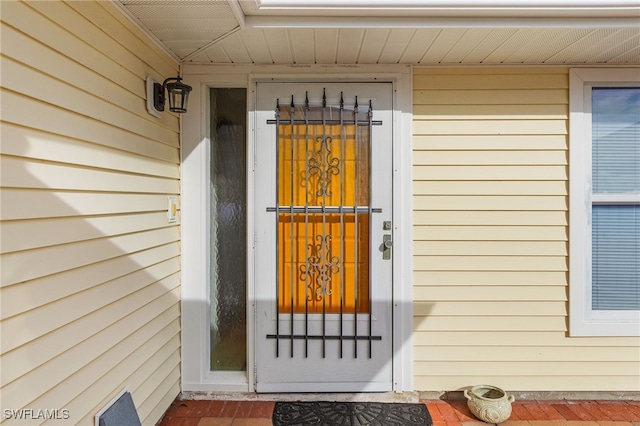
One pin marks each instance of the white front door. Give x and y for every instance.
(323, 237)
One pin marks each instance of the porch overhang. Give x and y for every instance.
(417, 32)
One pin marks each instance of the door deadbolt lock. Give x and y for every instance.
(387, 243)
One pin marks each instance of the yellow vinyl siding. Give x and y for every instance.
(22, 234)
(490, 168)
(489, 278)
(90, 283)
(50, 147)
(25, 174)
(31, 113)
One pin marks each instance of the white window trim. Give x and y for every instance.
(585, 321)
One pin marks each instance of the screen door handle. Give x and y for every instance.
(387, 243)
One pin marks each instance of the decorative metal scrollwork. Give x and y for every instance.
(310, 168)
(319, 269)
(323, 164)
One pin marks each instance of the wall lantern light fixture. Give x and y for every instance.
(177, 93)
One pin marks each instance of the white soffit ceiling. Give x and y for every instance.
(405, 31)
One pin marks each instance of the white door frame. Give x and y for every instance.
(195, 374)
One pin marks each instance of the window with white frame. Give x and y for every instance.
(605, 202)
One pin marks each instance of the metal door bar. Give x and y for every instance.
(324, 237)
(326, 122)
(277, 224)
(342, 245)
(307, 336)
(356, 257)
(306, 229)
(323, 209)
(370, 115)
(291, 240)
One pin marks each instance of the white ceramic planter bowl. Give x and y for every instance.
(489, 403)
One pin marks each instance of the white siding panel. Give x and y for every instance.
(325, 45)
(372, 45)
(90, 267)
(257, 47)
(513, 44)
(215, 54)
(397, 43)
(484, 49)
(443, 43)
(490, 234)
(236, 51)
(278, 45)
(420, 43)
(555, 38)
(349, 45)
(465, 45)
(621, 42)
(301, 53)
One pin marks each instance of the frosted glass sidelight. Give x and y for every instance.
(228, 230)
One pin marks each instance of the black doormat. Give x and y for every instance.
(349, 414)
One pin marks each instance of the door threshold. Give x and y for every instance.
(395, 397)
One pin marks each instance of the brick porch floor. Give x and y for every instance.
(444, 413)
